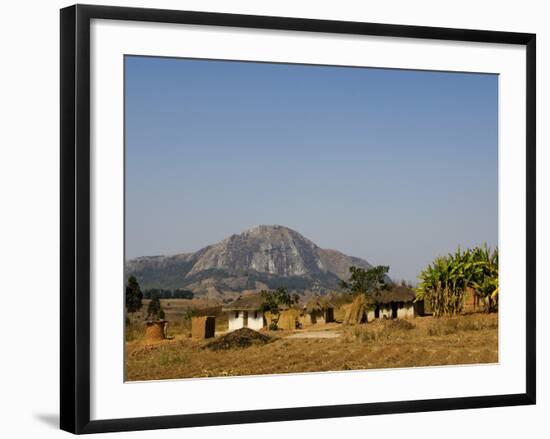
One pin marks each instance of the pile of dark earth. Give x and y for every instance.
(241, 338)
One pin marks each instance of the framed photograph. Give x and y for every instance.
(274, 218)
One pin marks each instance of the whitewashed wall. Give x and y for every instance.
(385, 311)
(370, 315)
(406, 312)
(255, 322)
(236, 320)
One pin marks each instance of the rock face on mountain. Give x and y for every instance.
(261, 257)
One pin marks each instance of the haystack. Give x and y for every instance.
(203, 327)
(155, 330)
(357, 311)
(288, 319)
(343, 311)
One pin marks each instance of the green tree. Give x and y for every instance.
(154, 310)
(274, 300)
(370, 282)
(134, 296)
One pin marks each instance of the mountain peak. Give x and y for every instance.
(266, 228)
(275, 230)
(263, 256)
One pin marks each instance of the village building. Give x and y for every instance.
(396, 303)
(318, 311)
(203, 327)
(246, 312)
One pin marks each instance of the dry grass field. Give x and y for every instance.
(423, 341)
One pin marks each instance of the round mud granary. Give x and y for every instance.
(155, 330)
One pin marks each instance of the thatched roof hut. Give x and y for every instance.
(318, 310)
(396, 302)
(250, 302)
(317, 303)
(246, 312)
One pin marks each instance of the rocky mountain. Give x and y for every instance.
(261, 257)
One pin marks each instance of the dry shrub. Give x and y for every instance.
(134, 331)
(443, 326)
(401, 324)
(399, 329)
(452, 325)
(380, 330)
(178, 327)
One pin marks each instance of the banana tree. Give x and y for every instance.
(485, 283)
(444, 282)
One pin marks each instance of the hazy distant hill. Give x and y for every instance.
(261, 257)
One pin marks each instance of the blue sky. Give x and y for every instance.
(393, 166)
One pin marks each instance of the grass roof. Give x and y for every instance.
(397, 293)
(251, 302)
(317, 304)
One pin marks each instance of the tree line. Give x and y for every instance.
(163, 293)
(134, 301)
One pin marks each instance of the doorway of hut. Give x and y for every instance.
(245, 319)
(393, 310)
(377, 312)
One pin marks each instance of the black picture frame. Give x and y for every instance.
(75, 217)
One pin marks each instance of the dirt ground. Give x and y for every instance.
(317, 334)
(423, 341)
(330, 330)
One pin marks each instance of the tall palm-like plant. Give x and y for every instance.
(485, 281)
(444, 282)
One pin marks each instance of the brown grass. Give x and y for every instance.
(422, 341)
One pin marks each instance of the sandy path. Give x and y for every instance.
(316, 334)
